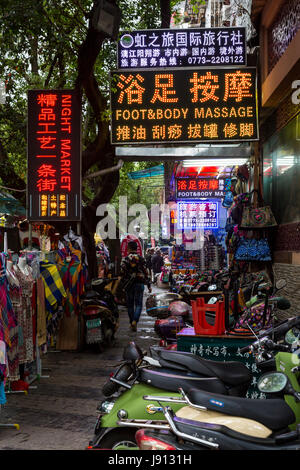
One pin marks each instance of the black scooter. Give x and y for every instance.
(231, 423)
(220, 422)
(100, 315)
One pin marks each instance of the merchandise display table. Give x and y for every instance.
(221, 348)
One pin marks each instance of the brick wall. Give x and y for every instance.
(291, 273)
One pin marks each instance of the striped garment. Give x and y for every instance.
(73, 276)
(54, 289)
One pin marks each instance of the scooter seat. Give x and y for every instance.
(230, 372)
(275, 413)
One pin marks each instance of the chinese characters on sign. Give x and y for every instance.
(54, 155)
(193, 188)
(189, 105)
(161, 48)
(193, 215)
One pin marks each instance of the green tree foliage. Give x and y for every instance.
(49, 44)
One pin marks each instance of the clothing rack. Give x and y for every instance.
(29, 254)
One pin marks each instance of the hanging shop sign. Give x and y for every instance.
(184, 105)
(54, 155)
(193, 188)
(162, 48)
(193, 215)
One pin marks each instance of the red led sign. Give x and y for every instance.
(54, 155)
(193, 188)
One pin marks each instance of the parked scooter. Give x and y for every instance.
(181, 313)
(161, 374)
(180, 316)
(217, 422)
(100, 315)
(214, 421)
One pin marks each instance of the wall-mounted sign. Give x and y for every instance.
(54, 155)
(193, 188)
(161, 48)
(184, 105)
(191, 215)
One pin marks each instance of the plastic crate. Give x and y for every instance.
(199, 309)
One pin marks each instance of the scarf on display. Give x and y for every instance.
(73, 274)
(54, 288)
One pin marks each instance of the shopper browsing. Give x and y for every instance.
(134, 277)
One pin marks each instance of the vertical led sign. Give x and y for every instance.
(54, 155)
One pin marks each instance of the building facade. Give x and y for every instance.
(278, 27)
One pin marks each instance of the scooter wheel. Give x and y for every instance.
(119, 439)
(109, 388)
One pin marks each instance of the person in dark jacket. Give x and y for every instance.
(157, 262)
(134, 276)
(149, 254)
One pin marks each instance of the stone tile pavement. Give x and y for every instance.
(60, 412)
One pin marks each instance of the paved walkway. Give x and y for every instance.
(60, 414)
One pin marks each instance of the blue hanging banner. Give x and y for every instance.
(147, 172)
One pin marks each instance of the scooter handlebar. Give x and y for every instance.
(280, 330)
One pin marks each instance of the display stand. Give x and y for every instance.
(221, 348)
(7, 425)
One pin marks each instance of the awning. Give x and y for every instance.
(182, 153)
(10, 205)
(147, 172)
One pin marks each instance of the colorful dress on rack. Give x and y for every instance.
(26, 349)
(15, 294)
(8, 325)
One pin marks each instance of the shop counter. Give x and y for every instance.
(221, 348)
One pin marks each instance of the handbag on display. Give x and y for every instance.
(251, 249)
(228, 199)
(243, 172)
(261, 217)
(240, 202)
(256, 318)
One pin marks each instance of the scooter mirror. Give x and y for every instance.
(132, 352)
(212, 287)
(292, 336)
(280, 284)
(272, 382)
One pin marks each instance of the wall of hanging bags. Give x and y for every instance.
(247, 226)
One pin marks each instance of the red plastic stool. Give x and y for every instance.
(200, 324)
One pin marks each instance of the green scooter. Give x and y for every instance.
(141, 375)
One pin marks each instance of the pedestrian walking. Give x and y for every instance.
(149, 254)
(134, 278)
(157, 262)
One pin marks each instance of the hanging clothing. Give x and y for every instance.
(54, 288)
(74, 275)
(26, 348)
(8, 324)
(41, 323)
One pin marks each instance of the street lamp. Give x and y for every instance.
(106, 18)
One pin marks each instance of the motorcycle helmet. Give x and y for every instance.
(179, 308)
(167, 328)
